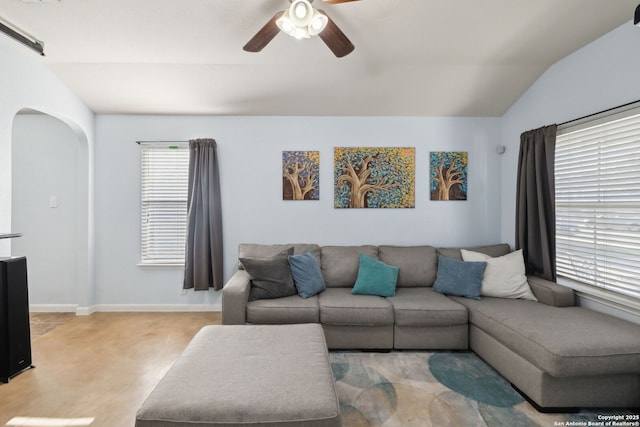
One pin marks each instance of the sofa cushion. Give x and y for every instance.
(504, 277)
(418, 264)
(375, 278)
(340, 264)
(253, 250)
(292, 309)
(587, 343)
(491, 250)
(306, 273)
(425, 307)
(459, 278)
(338, 306)
(270, 277)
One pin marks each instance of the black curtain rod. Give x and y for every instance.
(600, 112)
(33, 44)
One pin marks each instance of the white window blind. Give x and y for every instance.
(597, 172)
(165, 174)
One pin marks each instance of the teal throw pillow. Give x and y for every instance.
(307, 275)
(375, 278)
(459, 278)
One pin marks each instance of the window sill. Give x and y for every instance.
(150, 266)
(603, 296)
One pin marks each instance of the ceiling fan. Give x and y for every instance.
(302, 20)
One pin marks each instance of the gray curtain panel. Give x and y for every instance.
(535, 202)
(203, 255)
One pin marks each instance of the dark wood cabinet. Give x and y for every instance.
(15, 335)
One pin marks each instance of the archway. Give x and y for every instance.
(49, 206)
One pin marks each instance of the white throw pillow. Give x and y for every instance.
(504, 277)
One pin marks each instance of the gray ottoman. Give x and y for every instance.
(258, 375)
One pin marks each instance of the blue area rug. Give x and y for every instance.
(434, 389)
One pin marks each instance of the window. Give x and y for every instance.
(597, 174)
(165, 174)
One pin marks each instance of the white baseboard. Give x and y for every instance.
(85, 311)
(105, 308)
(53, 308)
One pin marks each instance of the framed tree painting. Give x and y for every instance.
(374, 177)
(448, 175)
(300, 175)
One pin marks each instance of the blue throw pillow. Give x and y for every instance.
(459, 278)
(375, 278)
(306, 274)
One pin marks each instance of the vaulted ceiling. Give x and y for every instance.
(411, 58)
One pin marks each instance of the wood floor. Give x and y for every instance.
(101, 366)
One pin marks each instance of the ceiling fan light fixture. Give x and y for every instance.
(318, 23)
(285, 23)
(301, 13)
(301, 20)
(300, 33)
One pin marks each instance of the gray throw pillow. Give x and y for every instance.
(270, 277)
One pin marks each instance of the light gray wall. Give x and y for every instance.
(602, 75)
(25, 82)
(250, 152)
(599, 76)
(45, 162)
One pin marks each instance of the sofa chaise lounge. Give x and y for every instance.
(557, 354)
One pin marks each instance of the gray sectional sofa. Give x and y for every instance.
(557, 354)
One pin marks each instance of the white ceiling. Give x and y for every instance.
(412, 57)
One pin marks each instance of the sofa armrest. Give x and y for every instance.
(551, 293)
(235, 295)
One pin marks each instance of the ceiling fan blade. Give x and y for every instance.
(335, 39)
(337, 1)
(264, 36)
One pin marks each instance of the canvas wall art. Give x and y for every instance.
(449, 175)
(300, 175)
(374, 177)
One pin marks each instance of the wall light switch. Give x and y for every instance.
(53, 201)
